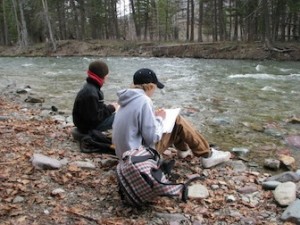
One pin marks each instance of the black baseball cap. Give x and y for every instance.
(146, 76)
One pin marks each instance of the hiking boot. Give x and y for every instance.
(184, 154)
(217, 157)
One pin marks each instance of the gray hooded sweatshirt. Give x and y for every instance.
(135, 123)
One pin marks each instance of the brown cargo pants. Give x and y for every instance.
(183, 137)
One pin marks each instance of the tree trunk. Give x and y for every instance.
(266, 23)
(192, 20)
(61, 16)
(82, 18)
(236, 22)
(222, 30)
(115, 16)
(200, 21)
(24, 33)
(5, 37)
(146, 20)
(135, 20)
(188, 20)
(215, 32)
(76, 21)
(45, 7)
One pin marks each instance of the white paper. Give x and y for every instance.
(169, 121)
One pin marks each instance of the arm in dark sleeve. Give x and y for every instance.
(104, 110)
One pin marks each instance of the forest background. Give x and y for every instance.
(151, 27)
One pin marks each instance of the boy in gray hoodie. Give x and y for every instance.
(137, 124)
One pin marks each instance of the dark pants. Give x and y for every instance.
(106, 124)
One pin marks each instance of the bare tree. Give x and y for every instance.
(4, 24)
(200, 21)
(188, 20)
(192, 20)
(21, 23)
(46, 13)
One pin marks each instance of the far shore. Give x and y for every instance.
(213, 50)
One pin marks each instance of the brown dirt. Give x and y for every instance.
(217, 50)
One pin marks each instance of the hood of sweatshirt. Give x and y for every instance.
(128, 95)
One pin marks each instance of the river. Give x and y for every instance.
(235, 104)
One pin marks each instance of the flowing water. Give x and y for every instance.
(235, 104)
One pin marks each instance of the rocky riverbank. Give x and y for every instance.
(71, 187)
(216, 50)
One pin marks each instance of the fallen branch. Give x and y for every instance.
(84, 216)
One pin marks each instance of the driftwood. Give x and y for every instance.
(270, 47)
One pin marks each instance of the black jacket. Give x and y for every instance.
(89, 109)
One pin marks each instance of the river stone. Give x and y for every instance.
(273, 132)
(238, 166)
(273, 164)
(285, 177)
(270, 185)
(18, 199)
(285, 193)
(58, 118)
(288, 161)
(40, 161)
(240, 151)
(84, 164)
(292, 212)
(30, 99)
(197, 191)
(58, 191)
(248, 189)
(172, 217)
(4, 118)
(293, 141)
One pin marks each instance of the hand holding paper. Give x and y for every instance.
(169, 120)
(161, 113)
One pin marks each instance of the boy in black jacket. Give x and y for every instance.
(89, 110)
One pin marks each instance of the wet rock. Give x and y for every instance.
(4, 118)
(285, 193)
(270, 185)
(31, 99)
(273, 132)
(288, 162)
(54, 108)
(293, 141)
(24, 90)
(222, 121)
(294, 120)
(40, 161)
(291, 213)
(254, 126)
(240, 151)
(285, 177)
(273, 164)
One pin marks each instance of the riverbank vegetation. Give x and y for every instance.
(142, 26)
